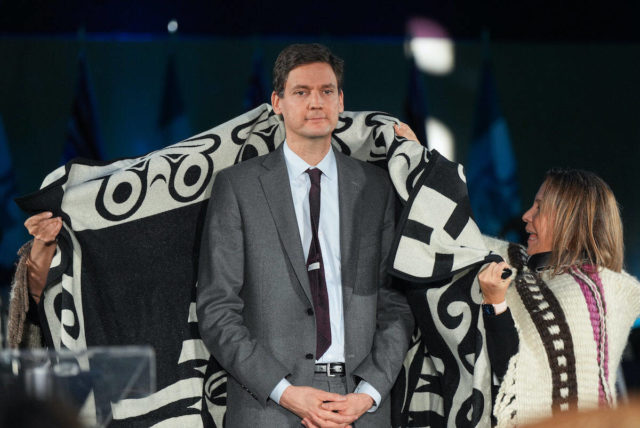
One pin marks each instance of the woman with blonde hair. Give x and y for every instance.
(572, 306)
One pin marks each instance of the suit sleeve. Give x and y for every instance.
(219, 302)
(394, 318)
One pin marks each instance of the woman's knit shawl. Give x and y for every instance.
(572, 329)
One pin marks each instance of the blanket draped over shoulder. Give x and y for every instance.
(125, 268)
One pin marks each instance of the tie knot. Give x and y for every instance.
(314, 175)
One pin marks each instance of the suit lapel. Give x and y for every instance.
(350, 184)
(275, 184)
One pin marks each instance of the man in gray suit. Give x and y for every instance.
(293, 296)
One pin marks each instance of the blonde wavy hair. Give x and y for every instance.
(585, 220)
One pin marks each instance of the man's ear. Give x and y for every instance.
(341, 97)
(275, 103)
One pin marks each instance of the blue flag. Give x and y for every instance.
(172, 122)
(12, 232)
(83, 133)
(415, 104)
(491, 167)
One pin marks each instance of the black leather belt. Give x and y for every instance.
(330, 369)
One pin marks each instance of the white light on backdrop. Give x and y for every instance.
(433, 52)
(172, 26)
(433, 55)
(439, 137)
(430, 46)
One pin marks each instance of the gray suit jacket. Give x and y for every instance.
(254, 303)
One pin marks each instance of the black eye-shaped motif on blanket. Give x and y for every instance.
(471, 410)
(62, 260)
(378, 150)
(214, 394)
(190, 176)
(241, 132)
(215, 384)
(258, 143)
(457, 309)
(122, 194)
(414, 175)
(63, 302)
(344, 123)
(371, 119)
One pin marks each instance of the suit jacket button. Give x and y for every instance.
(309, 356)
(309, 311)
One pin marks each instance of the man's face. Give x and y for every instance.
(310, 104)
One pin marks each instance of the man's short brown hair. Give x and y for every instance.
(299, 54)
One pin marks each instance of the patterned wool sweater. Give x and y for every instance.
(572, 330)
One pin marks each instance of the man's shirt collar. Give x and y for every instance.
(296, 166)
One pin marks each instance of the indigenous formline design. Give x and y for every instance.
(125, 270)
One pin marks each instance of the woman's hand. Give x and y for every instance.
(494, 288)
(45, 229)
(403, 130)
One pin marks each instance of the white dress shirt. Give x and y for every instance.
(329, 236)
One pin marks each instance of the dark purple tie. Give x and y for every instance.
(315, 269)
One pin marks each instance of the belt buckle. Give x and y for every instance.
(329, 370)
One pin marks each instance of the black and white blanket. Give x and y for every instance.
(437, 253)
(125, 271)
